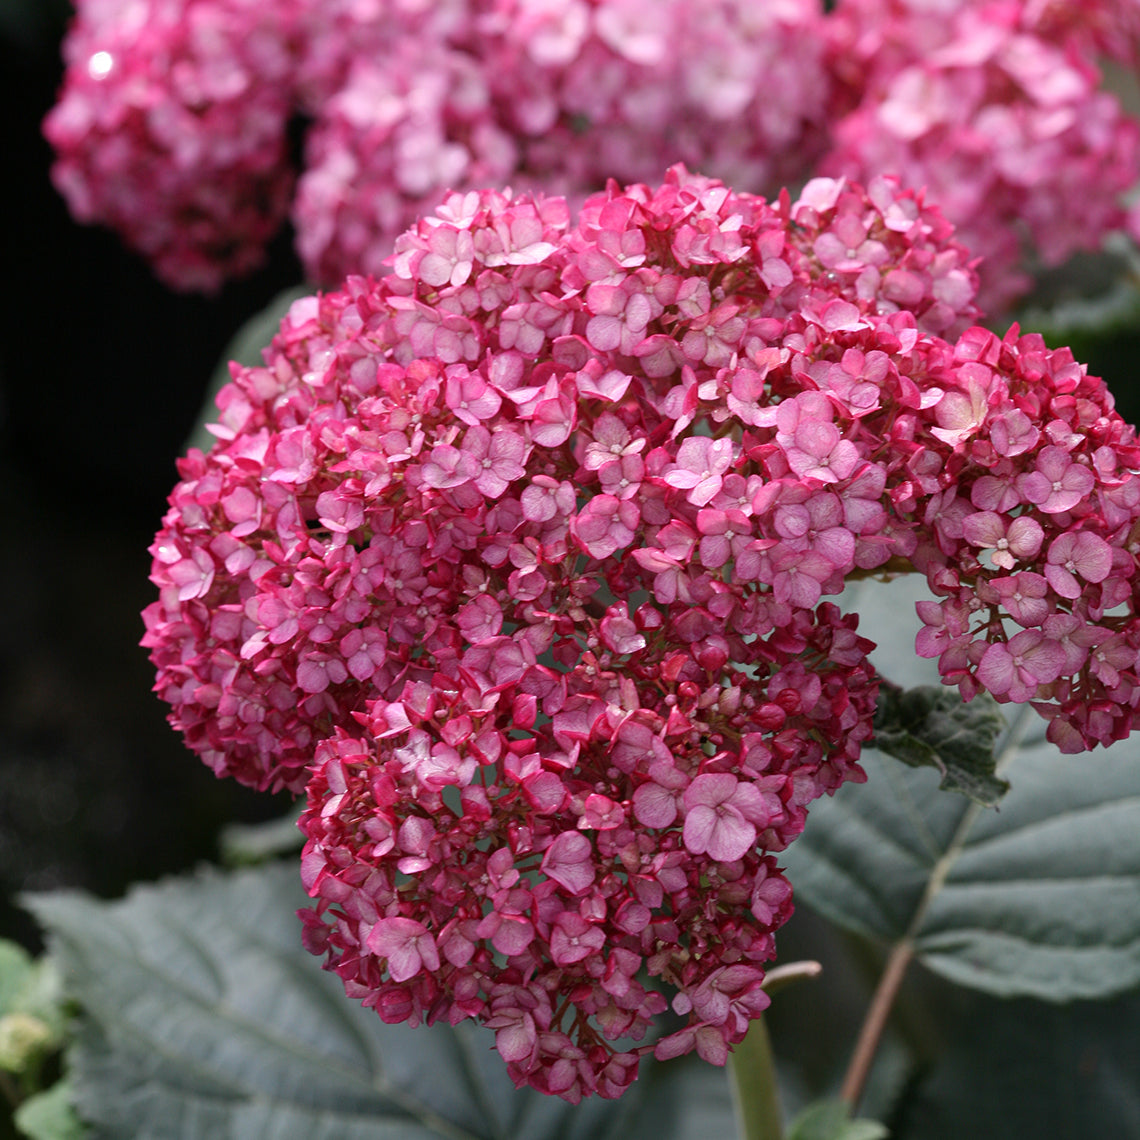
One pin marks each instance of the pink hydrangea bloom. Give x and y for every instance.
(554, 730)
(261, 652)
(1104, 27)
(555, 96)
(170, 128)
(996, 109)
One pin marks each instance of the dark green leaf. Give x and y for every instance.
(958, 1064)
(932, 727)
(1040, 898)
(1092, 296)
(203, 1016)
(1028, 1070)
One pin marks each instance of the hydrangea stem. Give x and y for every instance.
(8, 1090)
(755, 1093)
(902, 951)
(875, 1022)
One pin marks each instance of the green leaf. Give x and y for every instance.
(1040, 898)
(203, 1016)
(15, 969)
(831, 1120)
(49, 1115)
(1091, 296)
(246, 348)
(30, 986)
(932, 726)
(1026, 1069)
(247, 844)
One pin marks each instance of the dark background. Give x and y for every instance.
(102, 373)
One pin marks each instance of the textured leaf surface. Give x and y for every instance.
(205, 1017)
(932, 727)
(1026, 1069)
(1039, 898)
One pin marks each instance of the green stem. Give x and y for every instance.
(875, 1022)
(752, 1076)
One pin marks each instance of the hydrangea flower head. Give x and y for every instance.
(285, 598)
(558, 96)
(517, 561)
(171, 129)
(172, 124)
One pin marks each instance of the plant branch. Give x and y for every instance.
(8, 1088)
(875, 1022)
(903, 951)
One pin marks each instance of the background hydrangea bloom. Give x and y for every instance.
(996, 109)
(172, 123)
(516, 560)
(171, 129)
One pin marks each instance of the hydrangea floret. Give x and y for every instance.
(517, 562)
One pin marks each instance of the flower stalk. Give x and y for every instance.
(755, 1090)
(875, 1022)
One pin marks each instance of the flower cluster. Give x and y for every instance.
(171, 129)
(1095, 27)
(1034, 540)
(517, 561)
(559, 97)
(172, 122)
(995, 107)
